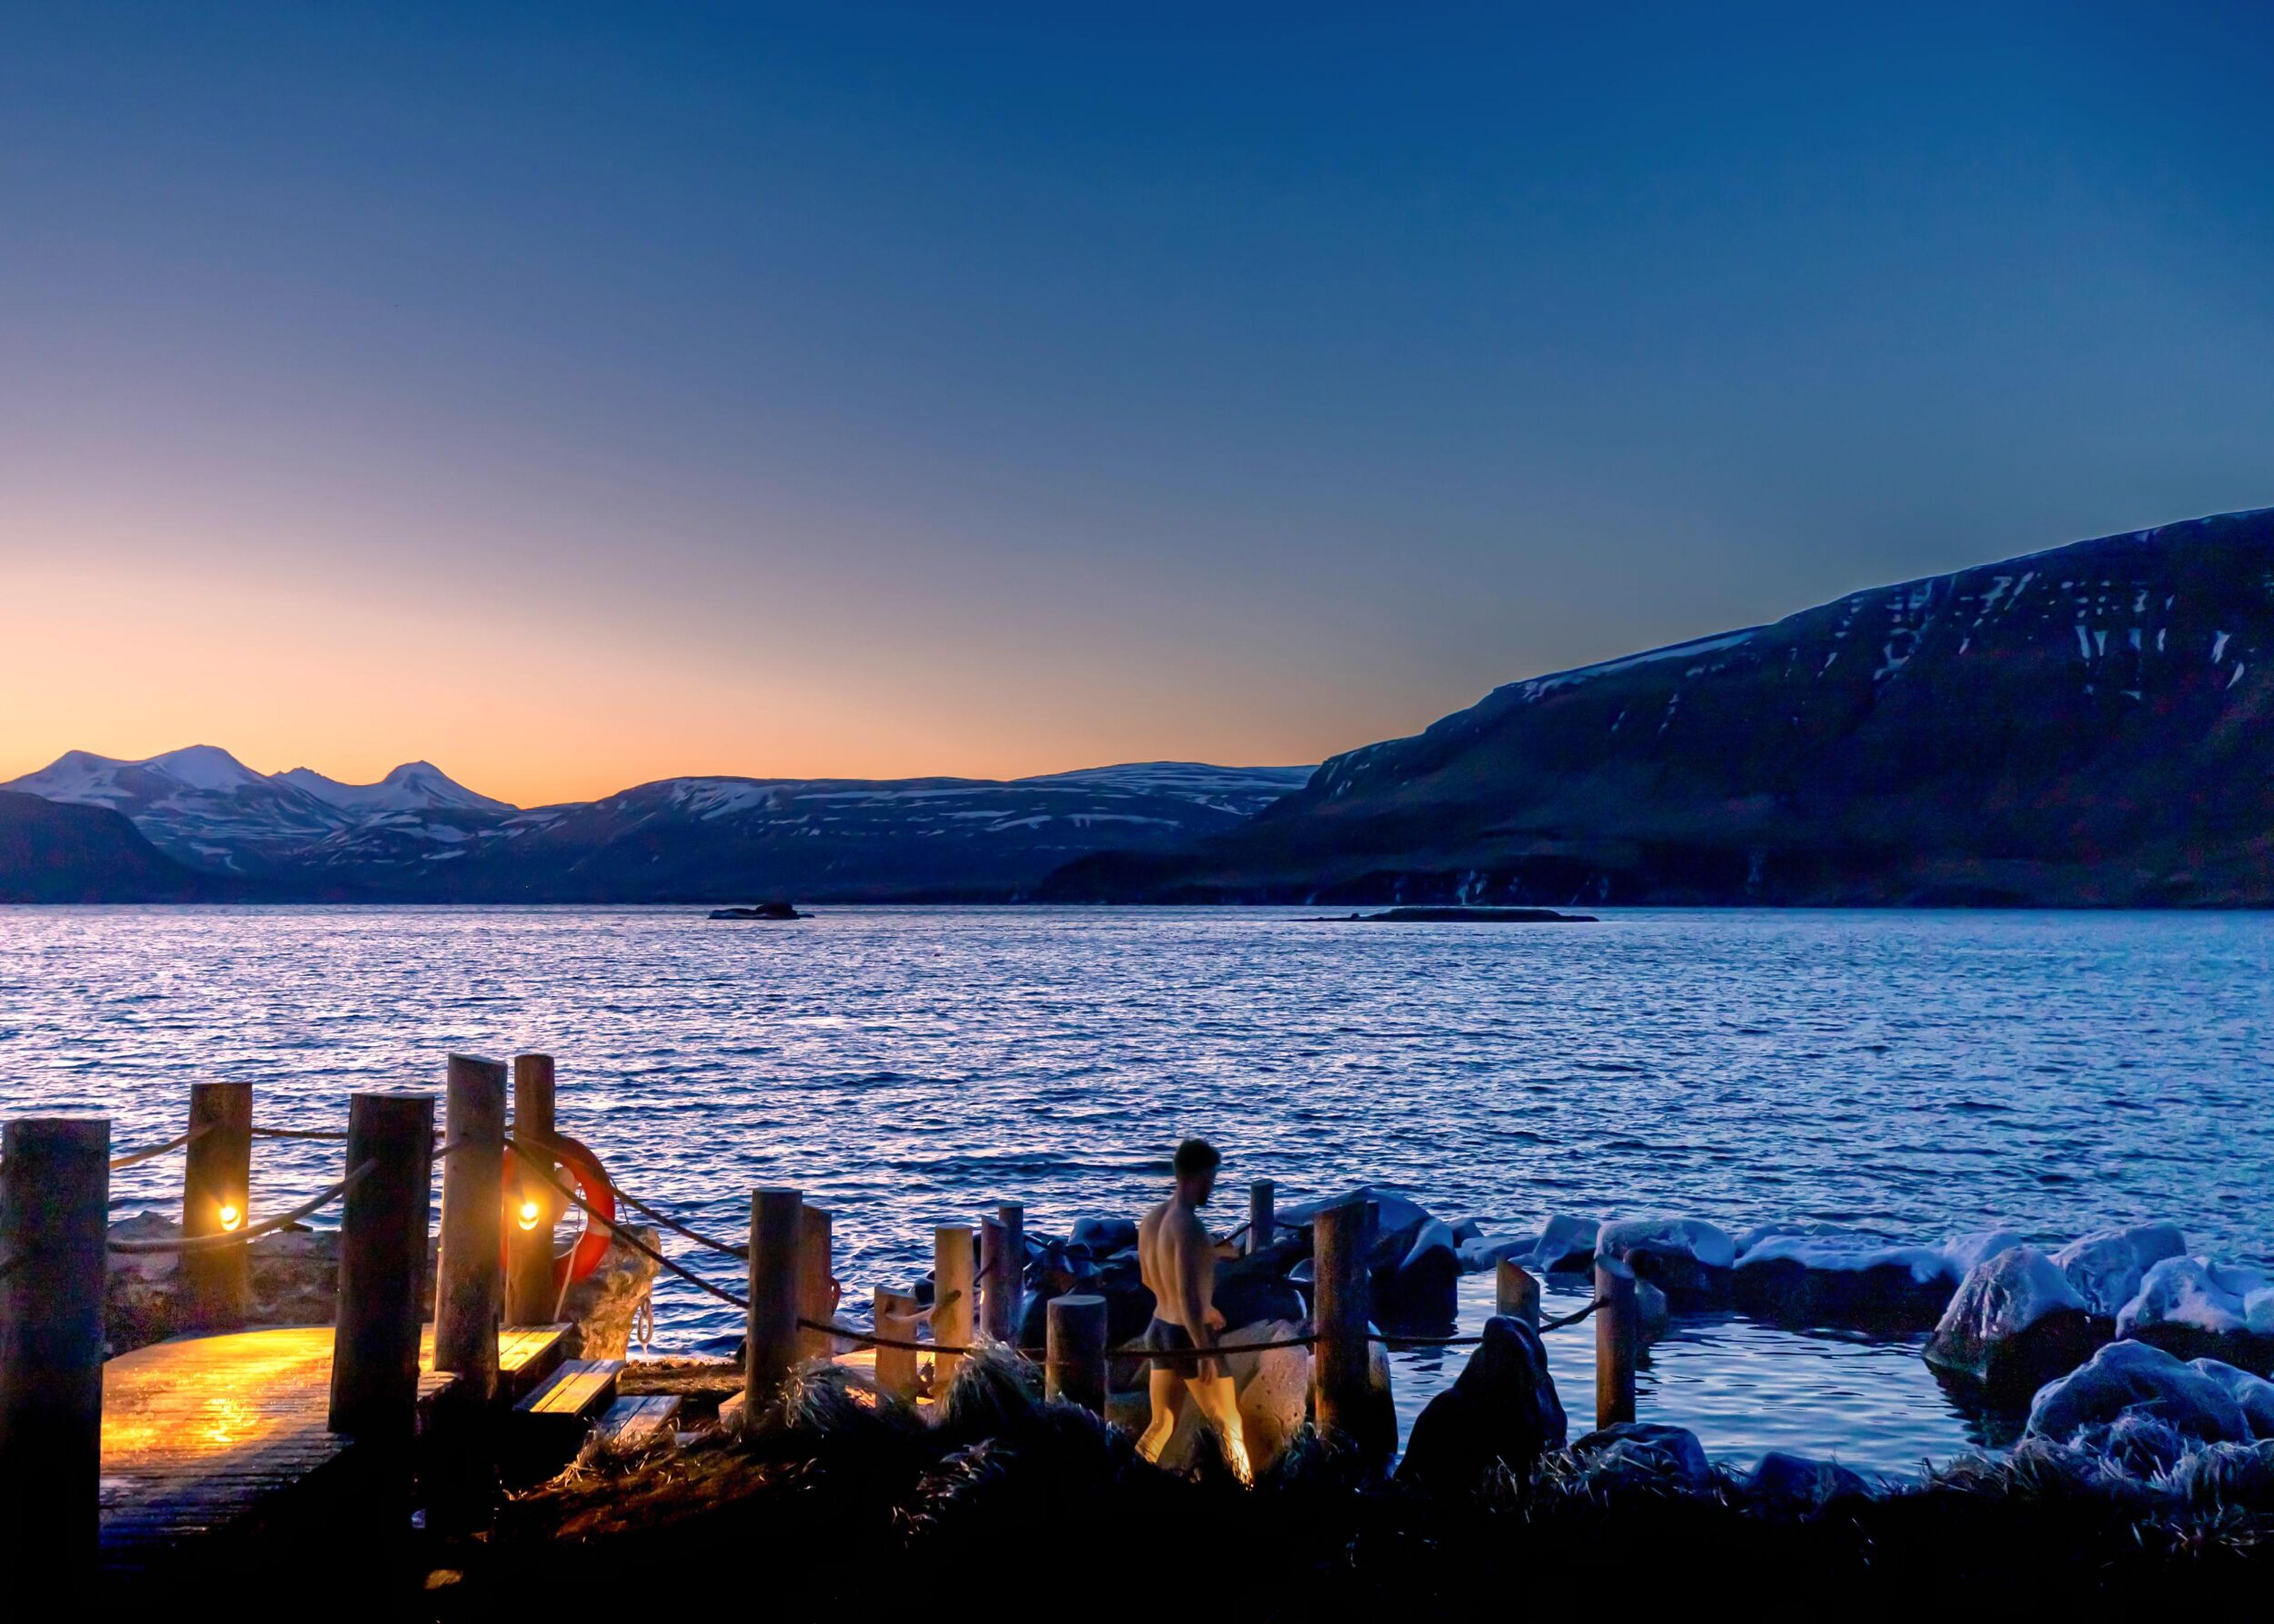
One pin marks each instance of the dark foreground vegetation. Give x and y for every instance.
(840, 1506)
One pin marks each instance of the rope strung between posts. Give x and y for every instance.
(155, 1151)
(622, 1233)
(870, 1339)
(673, 1225)
(300, 1133)
(252, 1232)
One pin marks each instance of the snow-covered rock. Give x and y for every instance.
(2192, 1307)
(1644, 1455)
(1797, 1484)
(1967, 1253)
(1567, 1245)
(2253, 1394)
(1484, 1252)
(1688, 1259)
(2133, 1378)
(2106, 1268)
(1825, 1276)
(2014, 1324)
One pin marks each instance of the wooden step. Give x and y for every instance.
(547, 1428)
(527, 1354)
(581, 1388)
(634, 1422)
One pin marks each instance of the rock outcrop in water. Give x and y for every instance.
(2084, 726)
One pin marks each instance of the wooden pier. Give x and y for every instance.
(129, 1469)
(202, 1433)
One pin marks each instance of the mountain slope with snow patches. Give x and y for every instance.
(2085, 725)
(418, 836)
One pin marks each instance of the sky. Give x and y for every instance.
(578, 395)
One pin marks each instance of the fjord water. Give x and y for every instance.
(1917, 1074)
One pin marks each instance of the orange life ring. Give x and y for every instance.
(599, 1196)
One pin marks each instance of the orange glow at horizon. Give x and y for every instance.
(536, 703)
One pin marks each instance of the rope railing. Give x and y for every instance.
(300, 1133)
(154, 1151)
(873, 1339)
(252, 1232)
(541, 1169)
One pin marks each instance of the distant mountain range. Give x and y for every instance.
(197, 822)
(2083, 727)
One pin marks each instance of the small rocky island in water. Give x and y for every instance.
(763, 910)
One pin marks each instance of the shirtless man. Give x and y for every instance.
(1177, 1261)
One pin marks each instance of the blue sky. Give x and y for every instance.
(577, 395)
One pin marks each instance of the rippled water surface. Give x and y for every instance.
(1913, 1073)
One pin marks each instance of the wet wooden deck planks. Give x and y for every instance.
(199, 1431)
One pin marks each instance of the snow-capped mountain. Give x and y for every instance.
(2088, 726)
(821, 839)
(207, 809)
(414, 786)
(419, 835)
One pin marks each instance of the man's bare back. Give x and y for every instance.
(1177, 1261)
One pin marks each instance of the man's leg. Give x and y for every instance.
(1167, 1387)
(1219, 1402)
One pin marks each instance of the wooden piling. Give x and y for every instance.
(895, 1314)
(990, 1260)
(1516, 1293)
(1341, 1382)
(1073, 1357)
(770, 1343)
(1263, 1214)
(954, 1280)
(817, 1283)
(469, 1288)
(216, 1199)
(1006, 1273)
(533, 1207)
(383, 1267)
(1617, 1342)
(55, 1213)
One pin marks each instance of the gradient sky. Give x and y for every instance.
(578, 395)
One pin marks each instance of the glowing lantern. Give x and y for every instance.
(230, 1217)
(530, 1212)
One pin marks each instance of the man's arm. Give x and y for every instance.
(1196, 1286)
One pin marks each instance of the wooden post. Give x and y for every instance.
(1073, 1359)
(1516, 1293)
(1341, 1380)
(954, 1281)
(55, 1215)
(896, 1367)
(770, 1344)
(383, 1267)
(1005, 1263)
(1617, 1339)
(990, 1260)
(533, 1205)
(1262, 1207)
(816, 1283)
(216, 1199)
(470, 1288)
